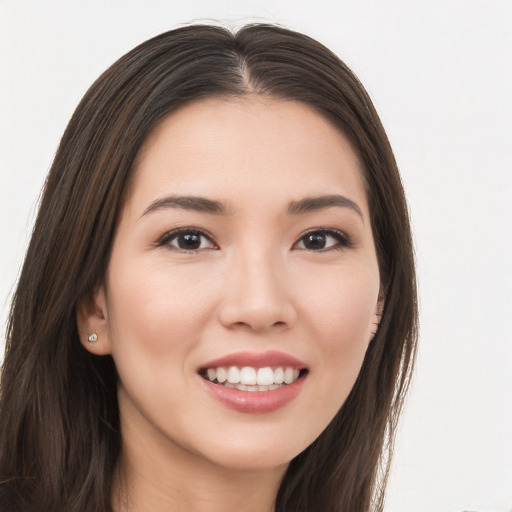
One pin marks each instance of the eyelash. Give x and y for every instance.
(171, 235)
(342, 240)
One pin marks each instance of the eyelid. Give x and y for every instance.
(173, 233)
(344, 240)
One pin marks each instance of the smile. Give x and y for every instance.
(253, 379)
(251, 382)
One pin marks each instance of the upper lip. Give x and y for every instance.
(256, 360)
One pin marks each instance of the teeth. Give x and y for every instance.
(222, 375)
(278, 376)
(243, 387)
(265, 376)
(248, 376)
(288, 376)
(253, 379)
(233, 375)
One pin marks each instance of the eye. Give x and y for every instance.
(187, 240)
(323, 240)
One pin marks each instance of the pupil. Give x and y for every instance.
(190, 241)
(315, 241)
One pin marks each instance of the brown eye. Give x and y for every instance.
(188, 240)
(322, 240)
(191, 241)
(315, 241)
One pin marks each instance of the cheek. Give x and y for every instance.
(156, 311)
(340, 316)
(342, 308)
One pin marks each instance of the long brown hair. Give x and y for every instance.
(59, 420)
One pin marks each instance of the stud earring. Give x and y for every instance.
(92, 338)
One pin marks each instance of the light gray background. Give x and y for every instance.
(440, 76)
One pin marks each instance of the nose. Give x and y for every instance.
(257, 295)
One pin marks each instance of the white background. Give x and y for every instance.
(440, 74)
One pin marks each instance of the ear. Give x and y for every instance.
(92, 322)
(377, 315)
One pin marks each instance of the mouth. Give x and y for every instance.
(254, 382)
(253, 379)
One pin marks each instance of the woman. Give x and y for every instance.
(217, 309)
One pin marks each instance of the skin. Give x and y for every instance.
(252, 285)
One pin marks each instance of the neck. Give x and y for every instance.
(200, 492)
(158, 475)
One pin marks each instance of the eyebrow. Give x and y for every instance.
(204, 205)
(309, 204)
(198, 204)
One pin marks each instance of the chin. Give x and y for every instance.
(255, 454)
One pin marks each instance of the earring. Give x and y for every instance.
(92, 338)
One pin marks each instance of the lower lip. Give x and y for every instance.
(255, 402)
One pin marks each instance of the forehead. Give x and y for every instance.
(247, 146)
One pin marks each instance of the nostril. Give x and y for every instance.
(256, 325)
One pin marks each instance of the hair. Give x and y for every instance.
(60, 435)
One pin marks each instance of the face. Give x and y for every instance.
(242, 286)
